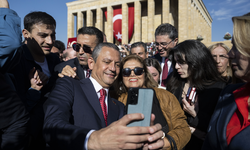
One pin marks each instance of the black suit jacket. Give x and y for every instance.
(72, 110)
(72, 63)
(216, 137)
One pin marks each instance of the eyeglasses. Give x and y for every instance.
(163, 44)
(77, 47)
(137, 71)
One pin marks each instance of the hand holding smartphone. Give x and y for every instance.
(140, 100)
(190, 97)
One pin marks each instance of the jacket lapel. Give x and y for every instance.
(92, 98)
(226, 114)
(79, 69)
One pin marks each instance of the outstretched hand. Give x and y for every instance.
(119, 136)
(68, 71)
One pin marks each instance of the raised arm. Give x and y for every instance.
(10, 36)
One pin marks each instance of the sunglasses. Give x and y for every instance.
(77, 47)
(137, 71)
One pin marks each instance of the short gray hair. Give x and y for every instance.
(99, 47)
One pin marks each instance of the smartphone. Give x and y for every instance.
(190, 97)
(140, 100)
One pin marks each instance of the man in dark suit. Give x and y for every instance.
(76, 119)
(87, 38)
(166, 37)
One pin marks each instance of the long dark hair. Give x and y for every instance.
(202, 68)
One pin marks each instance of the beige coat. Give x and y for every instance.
(175, 117)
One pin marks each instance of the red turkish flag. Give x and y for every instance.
(117, 21)
(71, 41)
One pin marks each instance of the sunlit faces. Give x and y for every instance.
(133, 80)
(240, 64)
(140, 51)
(182, 69)
(40, 39)
(154, 72)
(164, 44)
(89, 40)
(220, 56)
(106, 68)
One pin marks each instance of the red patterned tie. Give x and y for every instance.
(88, 73)
(164, 73)
(103, 104)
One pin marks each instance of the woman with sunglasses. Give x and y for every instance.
(134, 73)
(197, 84)
(229, 127)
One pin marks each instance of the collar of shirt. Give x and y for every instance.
(97, 88)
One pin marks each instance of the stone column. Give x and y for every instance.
(151, 14)
(192, 18)
(165, 11)
(70, 24)
(109, 31)
(183, 20)
(89, 18)
(99, 18)
(200, 22)
(189, 20)
(79, 20)
(195, 22)
(137, 21)
(124, 23)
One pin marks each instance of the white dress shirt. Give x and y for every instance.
(97, 88)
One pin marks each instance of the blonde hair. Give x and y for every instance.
(212, 47)
(241, 36)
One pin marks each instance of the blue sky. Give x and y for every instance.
(220, 10)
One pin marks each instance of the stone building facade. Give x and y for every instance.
(190, 17)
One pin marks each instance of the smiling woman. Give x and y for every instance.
(134, 73)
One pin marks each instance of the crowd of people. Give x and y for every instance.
(74, 99)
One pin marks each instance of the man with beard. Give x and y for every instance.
(166, 37)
